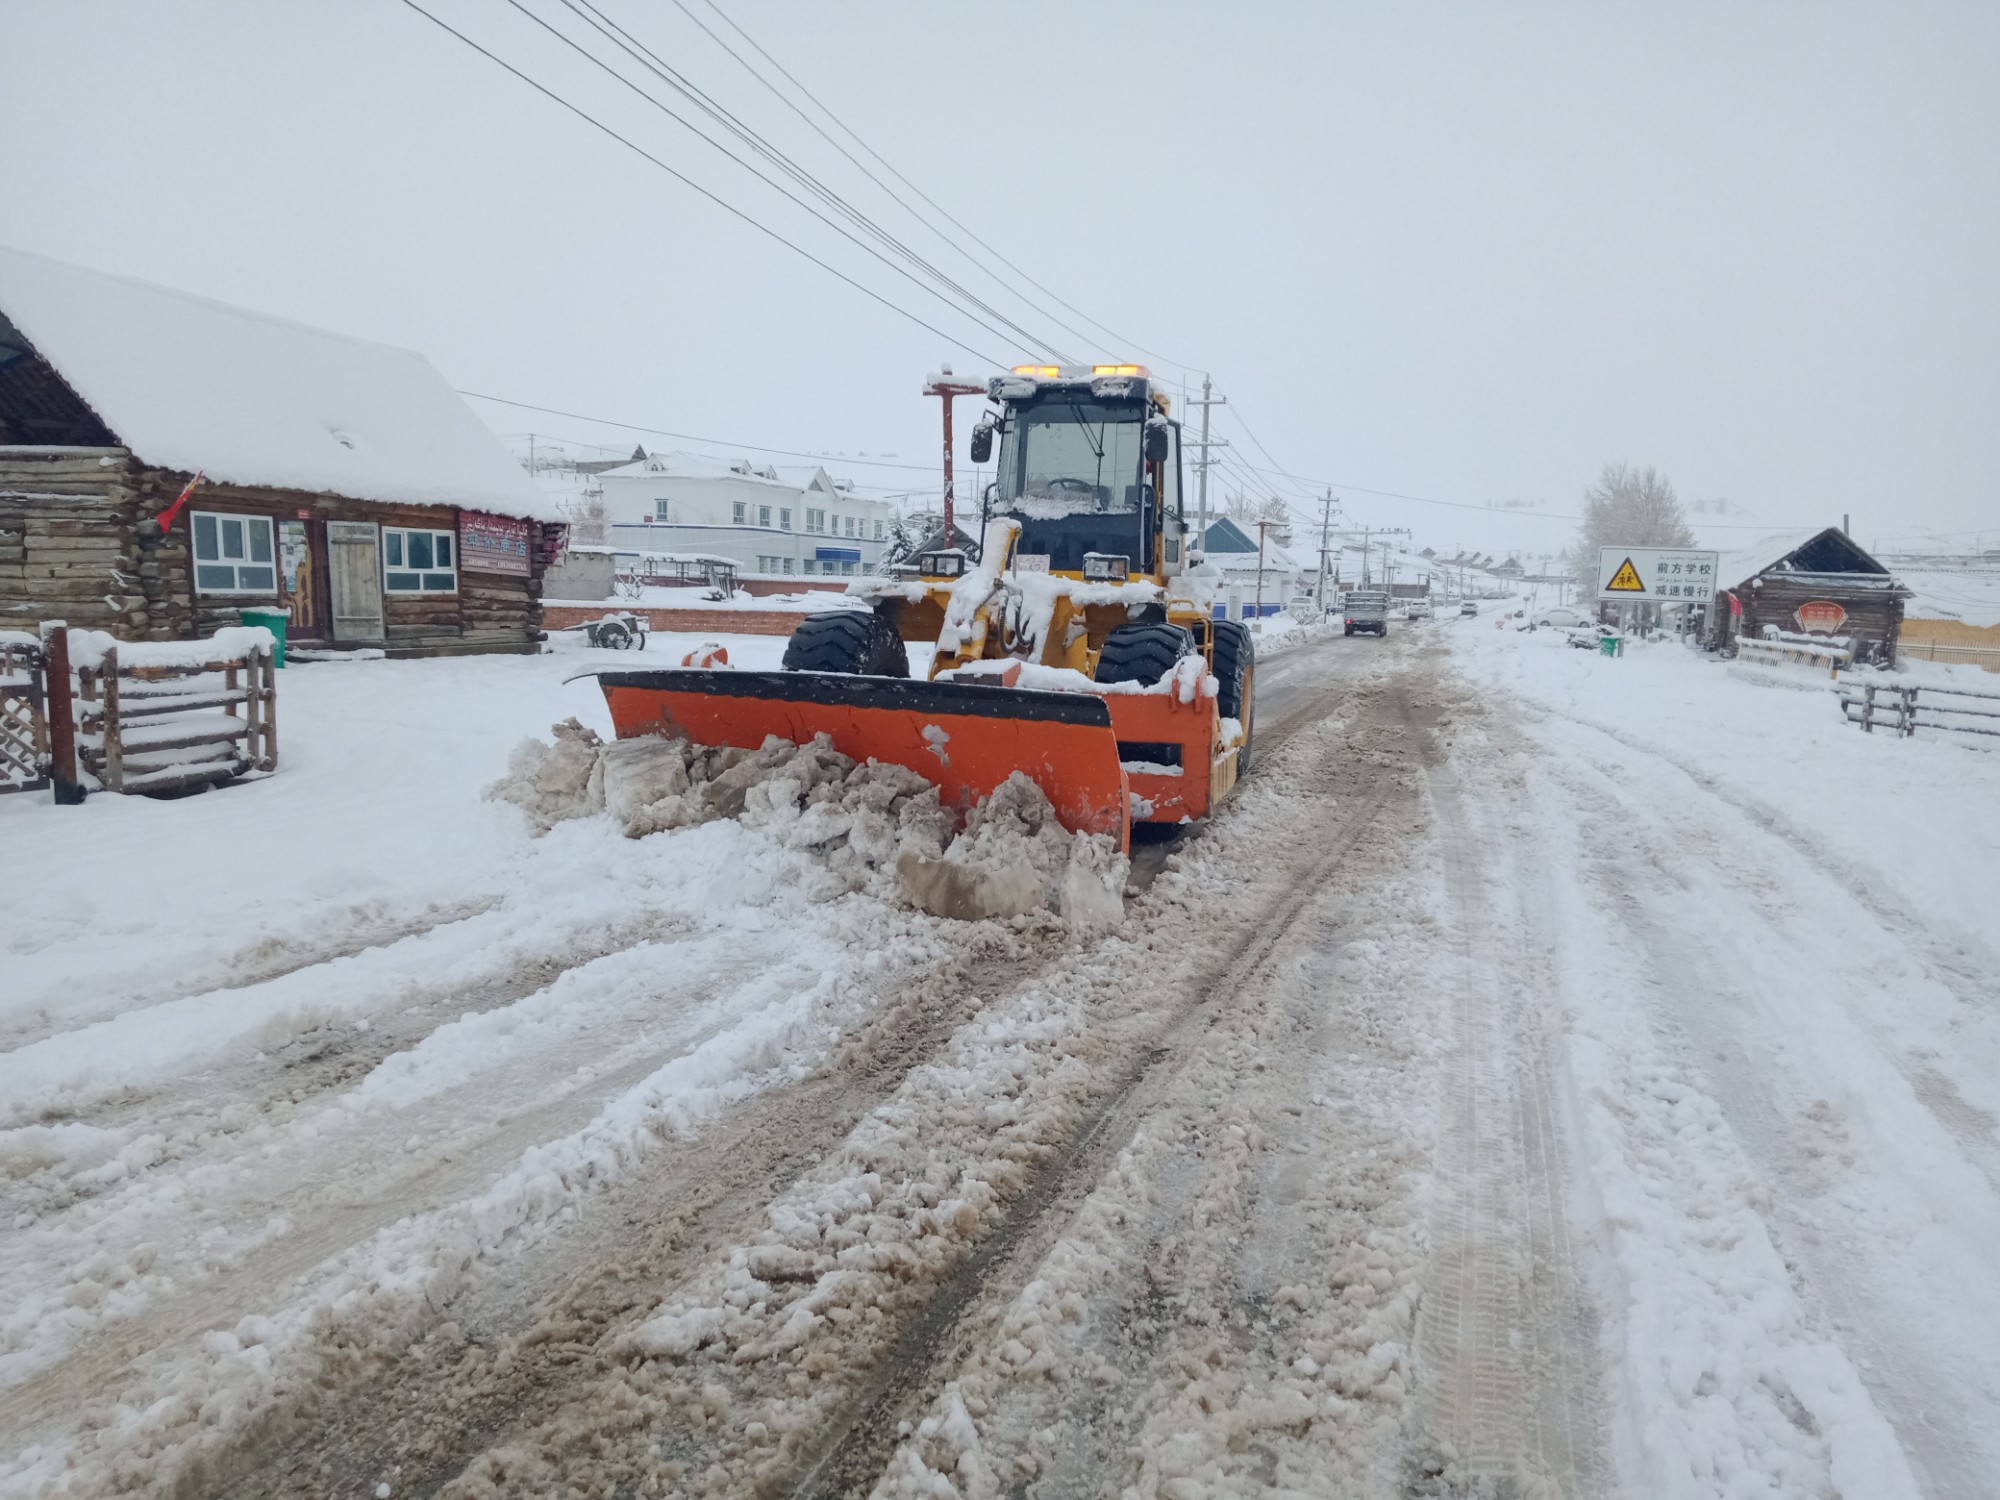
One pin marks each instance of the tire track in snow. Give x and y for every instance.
(1934, 1396)
(257, 963)
(1506, 1361)
(334, 1221)
(861, 1440)
(1229, 1310)
(528, 1345)
(1974, 976)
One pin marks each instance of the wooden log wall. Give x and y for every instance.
(1874, 612)
(71, 547)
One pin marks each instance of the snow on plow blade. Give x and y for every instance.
(965, 738)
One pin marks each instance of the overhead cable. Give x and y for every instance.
(688, 437)
(779, 188)
(1120, 342)
(720, 202)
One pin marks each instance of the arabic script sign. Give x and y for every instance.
(492, 544)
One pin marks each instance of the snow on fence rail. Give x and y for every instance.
(163, 716)
(1795, 650)
(1908, 707)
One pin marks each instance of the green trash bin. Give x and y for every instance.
(273, 620)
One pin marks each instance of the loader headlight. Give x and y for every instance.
(1011, 387)
(1103, 567)
(942, 564)
(1111, 387)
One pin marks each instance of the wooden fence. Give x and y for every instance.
(24, 720)
(171, 727)
(1904, 708)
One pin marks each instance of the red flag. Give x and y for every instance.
(167, 516)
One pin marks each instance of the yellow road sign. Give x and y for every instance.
(1626, 579)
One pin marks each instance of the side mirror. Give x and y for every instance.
(1156, 443)
(982, 443)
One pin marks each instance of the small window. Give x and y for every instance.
(815, 521)
(847, 567)
(233, 554)
(788, 565)
(878, 528)
(419, 562)
(763, 515)
(738, 512)
(809, 566)
(784, 518)
(850, 524)
(659, 510)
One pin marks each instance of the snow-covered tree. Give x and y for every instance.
(1627, 507)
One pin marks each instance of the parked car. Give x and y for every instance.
(1591, 637)
(1470, 607)
(1559, 614)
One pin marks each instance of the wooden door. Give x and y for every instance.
(354, 571)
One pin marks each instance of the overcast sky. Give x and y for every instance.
(1460, 252)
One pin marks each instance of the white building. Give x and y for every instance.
(772, 521)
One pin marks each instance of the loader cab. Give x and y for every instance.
(1090, 466)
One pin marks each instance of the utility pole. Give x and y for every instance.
(1262, 527)
(1203, 464)
(944, 387)
(1325, 525)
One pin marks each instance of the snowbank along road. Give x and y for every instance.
(1400, 1141)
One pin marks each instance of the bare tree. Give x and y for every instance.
(1627, 507)
(1247, 512)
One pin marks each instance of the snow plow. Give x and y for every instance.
(1078, 647)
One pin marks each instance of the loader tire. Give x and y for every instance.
(1236, 671)
(1142, 653)
(847, 640)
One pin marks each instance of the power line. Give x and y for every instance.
(1118, 339)
(750, 138)
(689, 437)
(647, 58)
(714, 198)
(862, 167)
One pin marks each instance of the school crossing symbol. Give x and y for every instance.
(1625, 580)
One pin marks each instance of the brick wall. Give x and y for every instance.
(684, 621)
(789, 585)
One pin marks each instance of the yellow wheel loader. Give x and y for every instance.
(1078, 647)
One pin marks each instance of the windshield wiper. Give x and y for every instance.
(1096, 448)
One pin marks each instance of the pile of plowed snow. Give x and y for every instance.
(881, 827)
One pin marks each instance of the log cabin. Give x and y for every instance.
(1811, 582)
(343, 482)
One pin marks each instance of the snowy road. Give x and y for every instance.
(1413, 1136)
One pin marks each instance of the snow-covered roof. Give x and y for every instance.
(1971, 595)
(695, 466)
(802, 478)
(186, 383)
(1747, 562)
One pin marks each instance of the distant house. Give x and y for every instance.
(1232, 551)
(774, 521)
(343, 481)
(1817, 582)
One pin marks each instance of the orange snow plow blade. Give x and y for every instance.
(964, 737)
